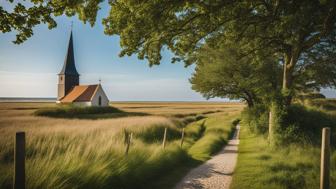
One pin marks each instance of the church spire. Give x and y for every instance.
(69, 67)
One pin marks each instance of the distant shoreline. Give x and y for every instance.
(23, 99)
(46, 99)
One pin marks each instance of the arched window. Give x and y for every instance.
(99, 101)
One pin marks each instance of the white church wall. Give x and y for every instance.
(104, 100)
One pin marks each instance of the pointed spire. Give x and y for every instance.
(69, 67)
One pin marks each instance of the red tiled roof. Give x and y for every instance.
(80, 93)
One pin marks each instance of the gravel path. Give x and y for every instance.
(217, 172)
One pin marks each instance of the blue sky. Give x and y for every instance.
(30, 69)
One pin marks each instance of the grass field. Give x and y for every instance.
(294, 166)
(89, 153)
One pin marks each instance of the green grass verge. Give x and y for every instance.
(203, 139)
(216, 131)
(289, 167)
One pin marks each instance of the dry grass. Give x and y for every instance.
(176, 108)
(81, 153)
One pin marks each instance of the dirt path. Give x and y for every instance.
(217, 172)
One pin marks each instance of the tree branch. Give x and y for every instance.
(327, 29)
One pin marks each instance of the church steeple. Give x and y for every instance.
(68, 78)
(69, 67)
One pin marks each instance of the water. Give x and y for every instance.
(23, 99)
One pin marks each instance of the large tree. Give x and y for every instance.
(290, 29)
(287, 28)
(221, 72)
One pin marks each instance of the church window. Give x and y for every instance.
(99, 101)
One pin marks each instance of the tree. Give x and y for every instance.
(220, 72)
(23, 18)
(287, 28)
(256, 78)
(316, 69)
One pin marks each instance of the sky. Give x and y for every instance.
(30, 69)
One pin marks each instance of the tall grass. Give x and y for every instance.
(214, 136)
(77, 153)
(290, 167)
(296, 162)
(71, 156)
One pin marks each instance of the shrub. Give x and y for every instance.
(323, 104)
(302, 125)
(235, 121)
(296, 124)
(256, 118)
(288, 124)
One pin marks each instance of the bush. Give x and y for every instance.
(302, 125)
(236, 121)
(297, 124)
(256, 118)
(323, 104)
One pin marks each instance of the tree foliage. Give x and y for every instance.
(316, 69)
(287, 28)
(301, 34)
(25, 16)
(221, 72)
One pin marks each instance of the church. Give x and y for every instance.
(69, 90)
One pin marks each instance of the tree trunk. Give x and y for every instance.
(270, 126)
(287, 81)
(249, 99)
(249, 103)
(287, 84)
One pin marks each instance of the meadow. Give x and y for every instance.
(291, 167)
(89, 151)
(294, 165)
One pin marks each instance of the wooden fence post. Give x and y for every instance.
(128, 142)
(325, 159)
(164, 138)
(126, 136)
(270, 127)
(182, 137)
(131, 138)
(19, 161)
